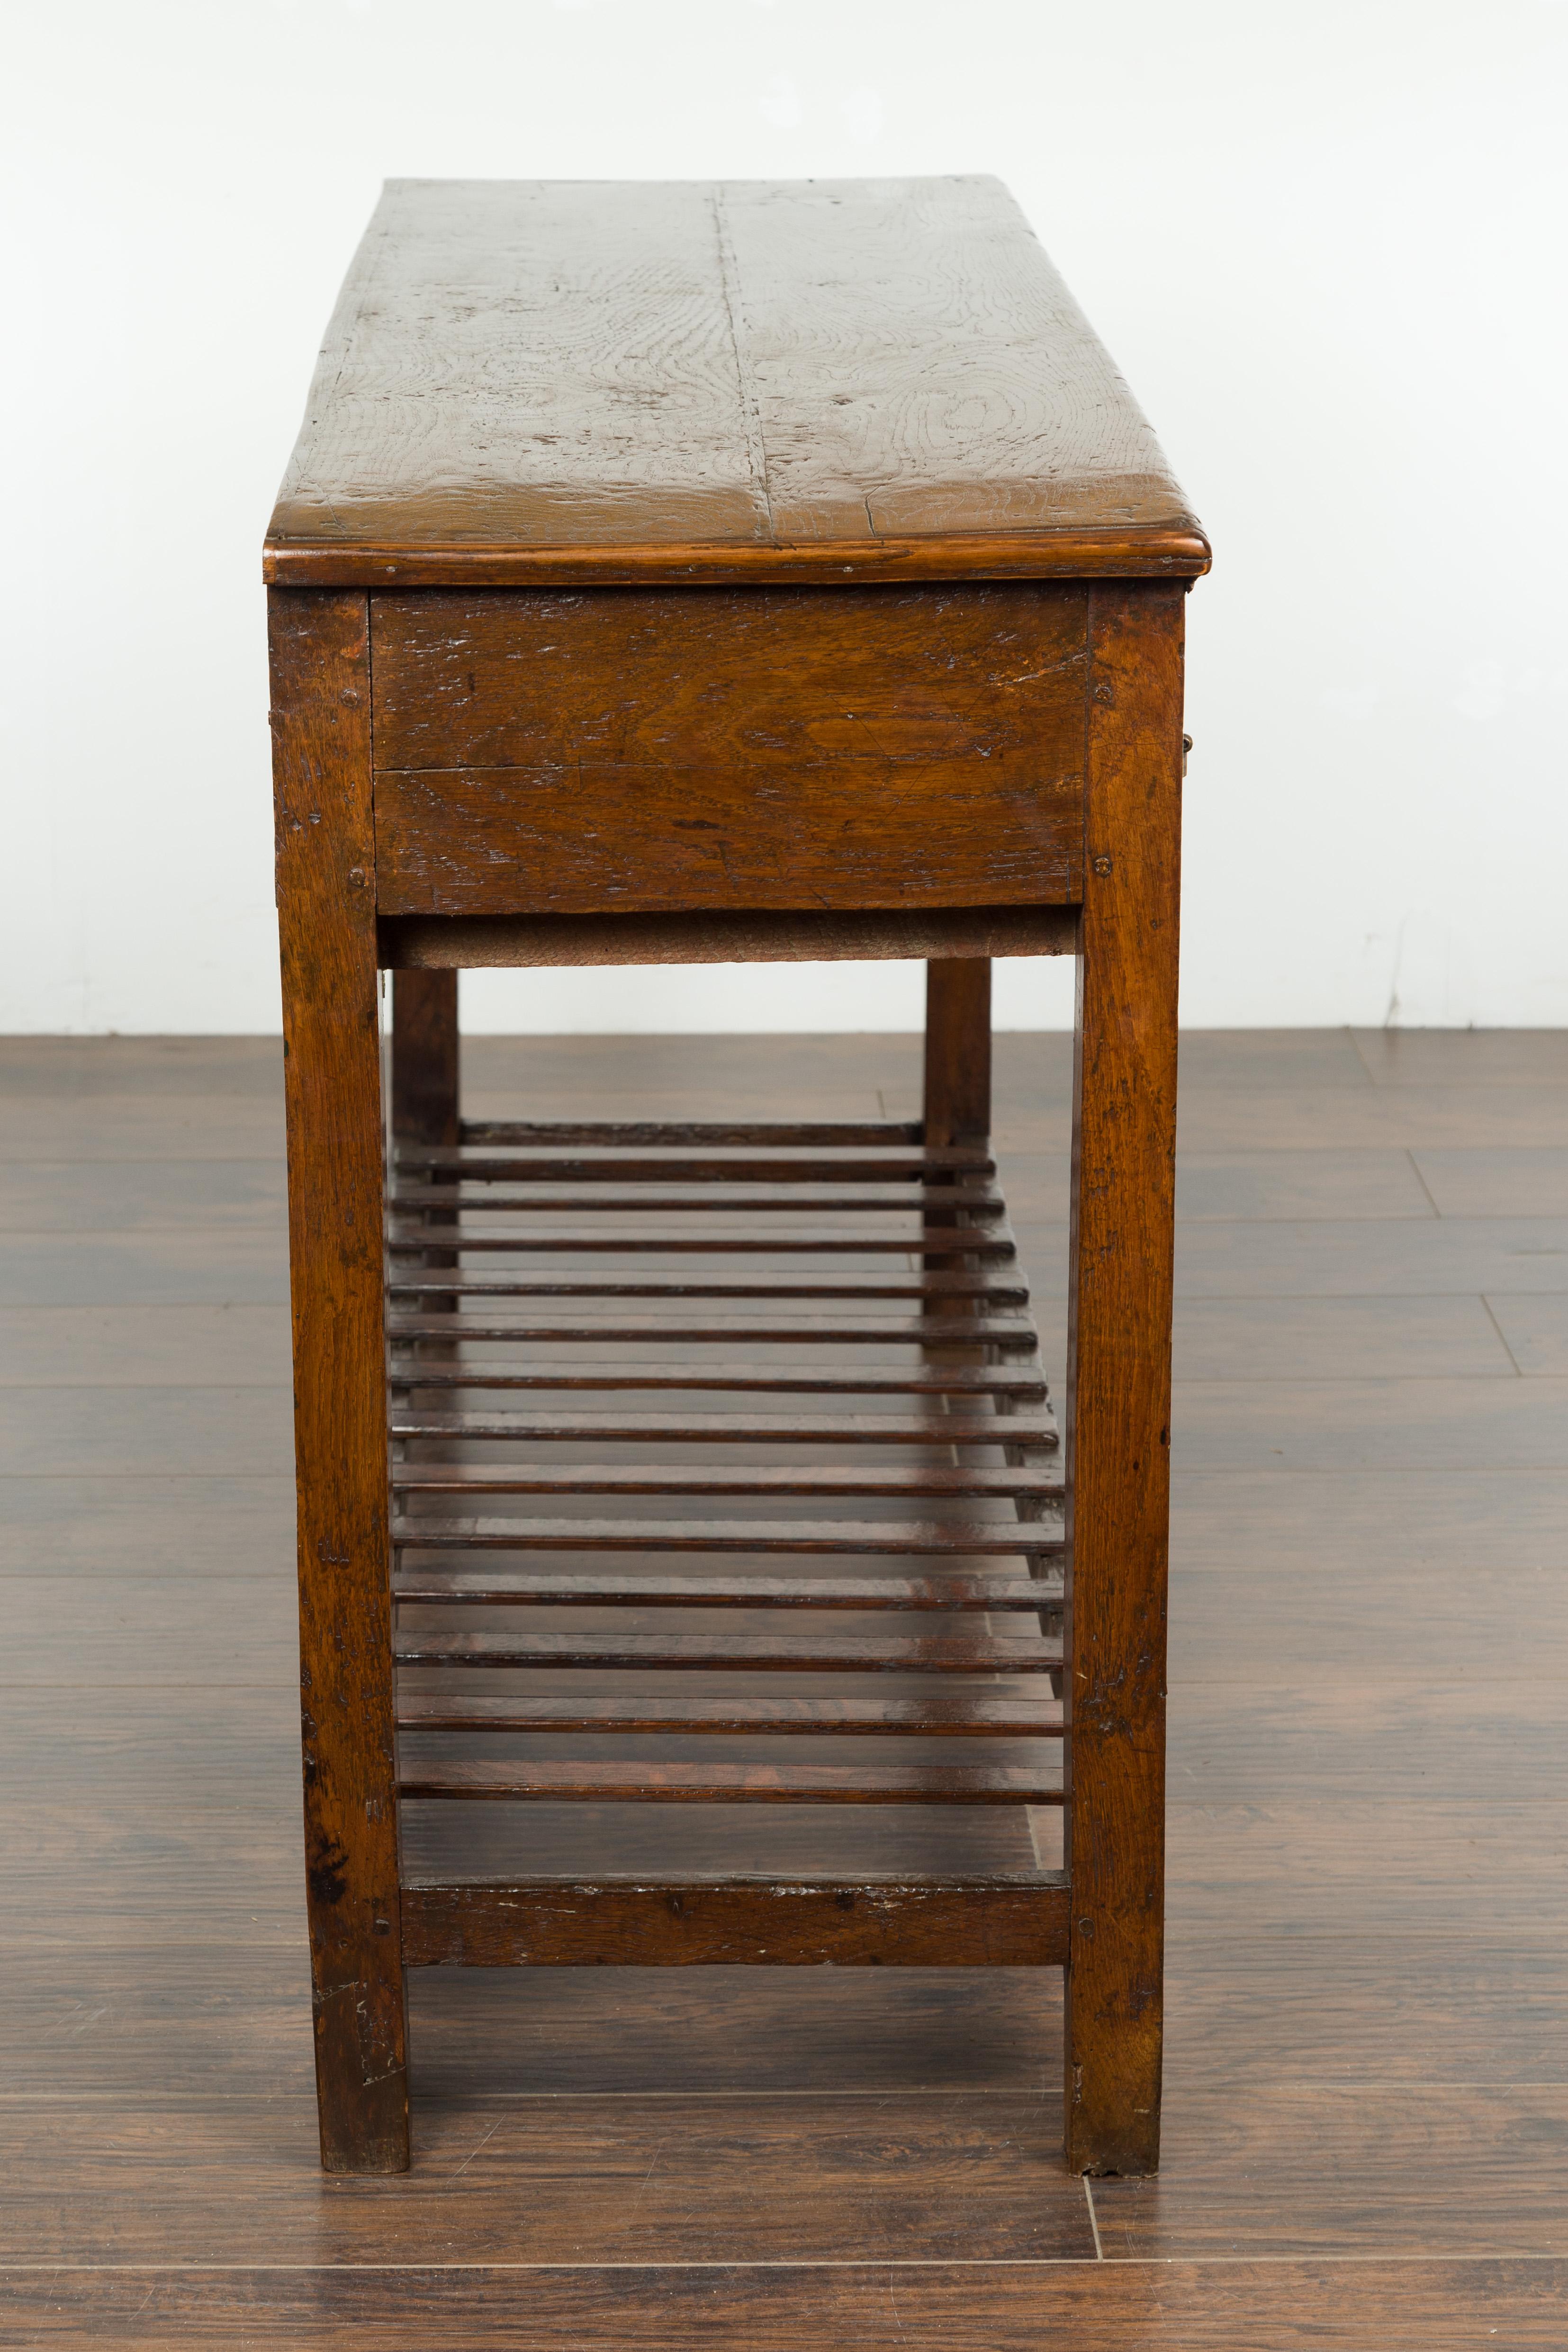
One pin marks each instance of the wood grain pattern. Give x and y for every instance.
(957, 1076)
(716, 1331)
(545, 1589)
(1345, 1932)
(828, 749)
(551, 1781)
(787, 1844)
(589, 1134)
(785, 1653)
(527, 2186)
(1022, 1383)
(667, 1200)
(326, 902)
(424, 1057)
(831, 1479)
(1441, 2142)
(995, 1290)
(719, 1330)
(722, 2029)
(827, 379)
(997, 1921)
(433, 942)
(425, 1066)
(980, 1243)
(1035, 1431)
(1119, 1379)
(542, 1166)
(938, 1537)
(936, 1714)
(1417, 2304)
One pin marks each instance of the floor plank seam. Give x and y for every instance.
(1381, 2257)
(1492, 1316)
(1093, 2217)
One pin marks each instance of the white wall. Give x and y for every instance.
(1323, 241)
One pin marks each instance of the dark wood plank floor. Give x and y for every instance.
(1367, 2085)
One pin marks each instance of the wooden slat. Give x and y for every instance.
(746, 1784)
(992, 1240)
(894, 1167)
(1022, 1381)
(1011, 1920)
(885, 1330)
(883, 1654)
(999, 1290)
(587, 1133)
(914, 1538)
(539, 1588)
(939, 1713)
(676, 1478)
(650, 1198)
(1022, 1430)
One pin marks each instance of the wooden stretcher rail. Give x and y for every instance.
(940, 1712)
(963, 1482)
(1022, 1382)
(998, 1290)
(542, 1588)
(741, 1198)
(718, 1329)
(1035, 1431)
(467, 942)
(883, 1654)
(562, 1134)
(999, 1921)
(927, 1538)
(462, 1163)
(643, 1782)
(991, 1240)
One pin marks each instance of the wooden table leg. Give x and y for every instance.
(958, 1051)
(424, 1057)
(956, 1105)
(957, 1111)
(1119, 1378)
(425, 1099)
(326, 903)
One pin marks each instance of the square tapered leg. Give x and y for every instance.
(326, 911)
(1119, 1378)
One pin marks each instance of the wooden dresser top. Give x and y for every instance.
(536, 382)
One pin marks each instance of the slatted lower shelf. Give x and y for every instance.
(864, 1309)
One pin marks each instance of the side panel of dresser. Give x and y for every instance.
(326, 918)
(651, 750)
